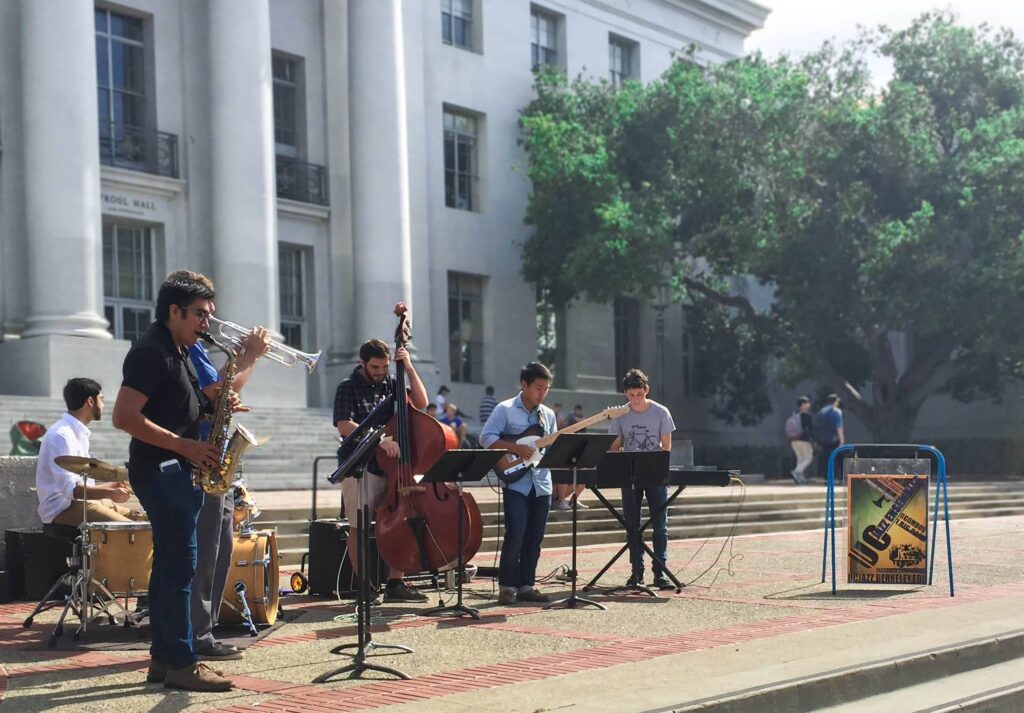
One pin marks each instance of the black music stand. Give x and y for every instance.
(632, 470)
(576, 452)
(354, 466)
(460, 466)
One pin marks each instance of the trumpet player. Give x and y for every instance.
(214, 535)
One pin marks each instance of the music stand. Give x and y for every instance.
(575, 452)
(354, 466)
(460, 466)
(633, 469)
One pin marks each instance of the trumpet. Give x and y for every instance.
(281, 353)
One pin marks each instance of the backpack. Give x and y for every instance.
(794, 429)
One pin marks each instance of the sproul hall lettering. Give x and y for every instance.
(120, 204)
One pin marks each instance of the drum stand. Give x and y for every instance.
(86, 593)
(364, 643)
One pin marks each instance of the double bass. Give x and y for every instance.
(417, 525)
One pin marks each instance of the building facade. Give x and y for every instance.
(320, 160)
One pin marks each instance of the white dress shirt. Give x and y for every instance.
(55, 487)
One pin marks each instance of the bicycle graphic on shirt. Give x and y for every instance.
(640, 441)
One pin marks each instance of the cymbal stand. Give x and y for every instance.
(85, 592)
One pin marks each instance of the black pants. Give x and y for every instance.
(824, 451)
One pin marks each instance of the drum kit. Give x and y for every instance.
(112, 561)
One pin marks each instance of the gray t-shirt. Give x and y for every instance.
(642, 431)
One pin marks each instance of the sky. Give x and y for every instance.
(800, 26)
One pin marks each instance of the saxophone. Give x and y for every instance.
(218, 480)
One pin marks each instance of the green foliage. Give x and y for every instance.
(860, 214)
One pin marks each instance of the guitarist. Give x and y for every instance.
(528, 499)
(647, 427)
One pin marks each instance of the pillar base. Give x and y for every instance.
(40, 366)
(83, 324)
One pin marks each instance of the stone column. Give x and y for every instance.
(62, 171)
(244, 197)
(380, 168)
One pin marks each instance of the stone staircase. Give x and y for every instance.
(697, 514)
(284, 462)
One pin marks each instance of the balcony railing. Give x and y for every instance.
(301, 181)
(139, 149)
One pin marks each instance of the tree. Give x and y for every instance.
(811, 219)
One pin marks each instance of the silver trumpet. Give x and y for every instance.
(281, 353)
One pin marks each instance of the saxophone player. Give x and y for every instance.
(214, 531)
(161, 407)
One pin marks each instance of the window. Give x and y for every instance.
(128, 293)
(465, 327)
(550, 323)
(120, 81)
(543, 38)
(460, 160)
(627, 336)
(457, 23)
(291, 281)
(286, 105)
(622, 60)
(687, 352)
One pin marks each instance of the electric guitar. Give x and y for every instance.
(511, 467)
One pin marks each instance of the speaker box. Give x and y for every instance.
(327, 542)
(5, 588)
(35, 560)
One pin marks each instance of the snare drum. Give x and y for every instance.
(122, 556)
(253, 563)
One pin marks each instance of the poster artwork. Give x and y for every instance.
(887, 530)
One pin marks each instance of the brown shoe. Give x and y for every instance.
(197, 677)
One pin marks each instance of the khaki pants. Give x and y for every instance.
(99, 511)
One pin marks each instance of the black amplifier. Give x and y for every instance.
(35, 560)
(327, 542)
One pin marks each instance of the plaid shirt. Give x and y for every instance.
(356, 396)
(355, 399)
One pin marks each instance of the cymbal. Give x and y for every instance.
(93, 468)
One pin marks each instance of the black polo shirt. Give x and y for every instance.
(163, 372)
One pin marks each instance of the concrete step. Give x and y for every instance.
(988, 668)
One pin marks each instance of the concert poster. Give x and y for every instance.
(887, 529)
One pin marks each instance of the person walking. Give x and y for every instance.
(798, 431)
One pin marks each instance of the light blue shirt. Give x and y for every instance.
(510, 418)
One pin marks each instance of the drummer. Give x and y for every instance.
(62, 494)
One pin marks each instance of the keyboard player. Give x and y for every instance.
(647, 427)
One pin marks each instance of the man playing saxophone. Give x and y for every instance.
(214, 533)
(161, 406)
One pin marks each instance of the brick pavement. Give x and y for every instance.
(600, 649)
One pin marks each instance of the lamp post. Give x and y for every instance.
(662, 297)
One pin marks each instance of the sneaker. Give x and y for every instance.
(561, 505)
(532, 595)
(635, 580)
(507, 596)
(800, 479)
(403, 593)
(197, 677)
(220, 652)
(582, 506)
(663, 582)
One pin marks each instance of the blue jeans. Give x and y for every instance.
(526, 516)
(173, 507)
(632, 498)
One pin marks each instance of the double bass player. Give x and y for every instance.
(367, 385)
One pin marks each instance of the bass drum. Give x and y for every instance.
(254, 563)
